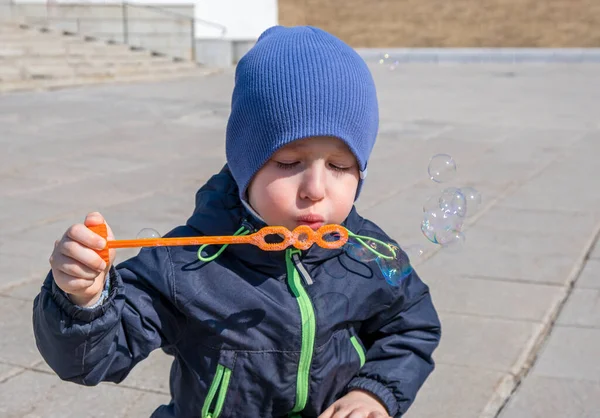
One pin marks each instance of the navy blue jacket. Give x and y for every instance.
(249, 336)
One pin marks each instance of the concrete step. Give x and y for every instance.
(52, 84)
(55, 49)
(74, 59)
(46, 72)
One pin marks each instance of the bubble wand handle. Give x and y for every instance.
(302, 237)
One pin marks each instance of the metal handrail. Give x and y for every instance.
(126, 20)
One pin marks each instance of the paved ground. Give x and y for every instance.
(528, 137)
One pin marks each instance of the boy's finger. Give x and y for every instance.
(82, 254)
(85, 236)
(93, 219)
(329, 411)
(72, 284)
(76, 268)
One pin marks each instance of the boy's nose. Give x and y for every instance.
(313, 184)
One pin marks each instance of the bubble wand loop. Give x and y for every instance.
(302, 238)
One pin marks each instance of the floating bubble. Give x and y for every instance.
(148, 233)
(453, 241)
(454, 201)
(359, 252)
(437, 222)
(441, 168)
(388, 61)
(473, 199)
(432, 203)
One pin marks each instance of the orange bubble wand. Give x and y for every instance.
(302, 238)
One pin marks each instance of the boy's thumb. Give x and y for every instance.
(93, 219)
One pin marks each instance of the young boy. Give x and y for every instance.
(255, 333)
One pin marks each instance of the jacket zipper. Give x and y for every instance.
(221, 383)
(307, 315)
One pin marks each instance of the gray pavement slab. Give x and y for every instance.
(483, 263)
(488, 343)
(595, 254)
(494, 298)
(138, 153)
(508, 219)
(49, 397)
(581, 309)
(449, 383)
(590, 275)
(17, 346)
(570, 353)
(547, 397)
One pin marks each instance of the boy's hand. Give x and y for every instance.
(356, 404)
(77, 269)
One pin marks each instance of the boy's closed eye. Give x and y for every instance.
(334, 166)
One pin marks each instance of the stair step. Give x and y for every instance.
(28, 85)
(46, 72)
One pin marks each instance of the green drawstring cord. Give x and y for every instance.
(241, 231)
(360, 239)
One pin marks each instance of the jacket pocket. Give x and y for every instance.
(217, 392)
(358, 347)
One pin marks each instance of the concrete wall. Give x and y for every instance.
(244, 19)
(149, 28)
(451, 23)
(224, 29)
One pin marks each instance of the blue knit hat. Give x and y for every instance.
(296, 83)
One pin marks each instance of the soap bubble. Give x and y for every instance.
(388, 61)
(441, 168)
(453, 241)
(454, 201)
(432, 203)
(473, 199)
(148, 233)
(358, 251)
(437, 222)
(393, 270)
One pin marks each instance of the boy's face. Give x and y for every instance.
(312, 181)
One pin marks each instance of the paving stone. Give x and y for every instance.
(19, 269)
(5, 370)
(570, 353)
(590, 275)
(595, 254)
(545, 397)
(581, 309)
(35, 394)
(539, 221)
(17, 345)
(489, 343)
(480, 262)
(528, 243)
(152, 373)
(440, 396)
(498, 299)
(26, 291)
(164, 140)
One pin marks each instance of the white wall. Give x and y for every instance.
(244, 19)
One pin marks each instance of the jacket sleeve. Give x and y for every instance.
(88, 346)
(400, 342)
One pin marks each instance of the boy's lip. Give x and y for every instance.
(312, 220)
